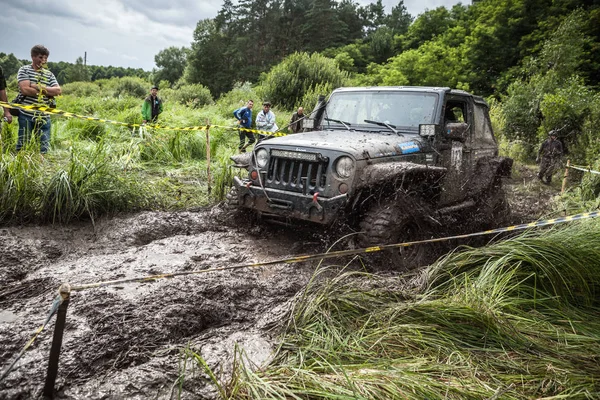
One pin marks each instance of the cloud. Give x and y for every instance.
(126, 33)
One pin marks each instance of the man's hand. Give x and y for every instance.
(7, 116)
(144, 122)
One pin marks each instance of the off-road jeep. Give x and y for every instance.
(392, 161)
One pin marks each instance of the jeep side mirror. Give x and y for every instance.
(457, 131)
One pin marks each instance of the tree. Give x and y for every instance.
(399, 20)
(323, 28)
(288, 82)
(172, 62)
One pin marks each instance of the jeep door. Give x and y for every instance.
(456, 147)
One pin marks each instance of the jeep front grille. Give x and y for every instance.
(297, 175)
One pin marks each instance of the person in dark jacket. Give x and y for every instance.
(297, 120)
(244, 120)
(549, 156)
(152, 106)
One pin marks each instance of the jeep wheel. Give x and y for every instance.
(397, 221)
(232, 202)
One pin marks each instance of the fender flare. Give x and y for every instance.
(377, 174)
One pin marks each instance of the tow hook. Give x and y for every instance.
(314, 200)
(250, 190)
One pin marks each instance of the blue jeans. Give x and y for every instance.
(28, 125)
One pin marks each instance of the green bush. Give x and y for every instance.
(131, 86)
(81, 89)
(288, 82)
(236, 98)
(192, 95)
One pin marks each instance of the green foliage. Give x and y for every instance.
(81, 89)
(192, 95)
(288, 82)
(554, 97)
(85, 130)
(130, 86)
(518, 317)
(87, 186)
(171, 63)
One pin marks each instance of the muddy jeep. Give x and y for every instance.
(391, 161)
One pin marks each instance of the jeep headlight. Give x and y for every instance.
(262, 158)
(344, 167)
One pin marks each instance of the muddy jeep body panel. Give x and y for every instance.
(373, 142)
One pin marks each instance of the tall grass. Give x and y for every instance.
(516, 319)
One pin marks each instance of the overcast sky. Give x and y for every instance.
(126, 33)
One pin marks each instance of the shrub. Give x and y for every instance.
(193, 95)
(131, 86)
(81, 89)
(288, 82)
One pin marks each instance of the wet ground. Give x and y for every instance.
(130, 341)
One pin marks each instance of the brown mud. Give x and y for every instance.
(129, 341)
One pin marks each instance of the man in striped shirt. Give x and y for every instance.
(37, 85)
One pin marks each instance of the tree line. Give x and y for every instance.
(67, 72)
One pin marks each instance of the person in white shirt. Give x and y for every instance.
(265, 121)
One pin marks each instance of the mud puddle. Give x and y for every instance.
(129, 341)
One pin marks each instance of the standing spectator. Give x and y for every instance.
(244, 118)
(7, 114)
(265, 121)
(37, 85)
(297, 120)
(152, 106)
(550, 152)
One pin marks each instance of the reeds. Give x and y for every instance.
(516, 319)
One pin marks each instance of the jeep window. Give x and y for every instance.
(404, 110)
(455, 112)
(483, 129)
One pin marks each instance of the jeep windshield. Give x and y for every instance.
(403, 110)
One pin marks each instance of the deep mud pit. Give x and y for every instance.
(128, 341)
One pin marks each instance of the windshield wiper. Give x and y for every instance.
(390, 127)
(346, 124)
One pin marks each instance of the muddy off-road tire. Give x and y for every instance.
(232, 201)
(493, 211)
(397, 221)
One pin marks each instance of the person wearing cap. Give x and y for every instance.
(297, 120)
(152, 106)
(549, 156)
(265, 121)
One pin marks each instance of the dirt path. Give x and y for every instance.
(128, 341)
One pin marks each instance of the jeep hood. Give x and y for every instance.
(360, 144)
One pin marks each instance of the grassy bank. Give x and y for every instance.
(513, 320)
(96, 168)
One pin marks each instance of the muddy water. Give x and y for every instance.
(129, 341)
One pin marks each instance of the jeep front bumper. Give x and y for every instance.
(289, 204)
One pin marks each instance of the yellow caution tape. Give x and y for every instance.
(335, 254)
(584, 169)
(54, 111)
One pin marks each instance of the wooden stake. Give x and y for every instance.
(564, 184)
(59, 328)
(208, 155)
